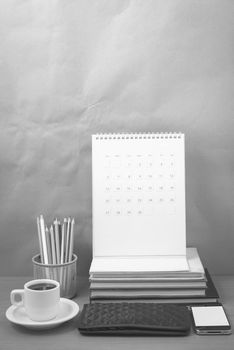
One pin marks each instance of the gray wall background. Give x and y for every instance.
(72, 68)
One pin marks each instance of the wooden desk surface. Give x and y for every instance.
(66, 336)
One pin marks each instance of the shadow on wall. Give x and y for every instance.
(209, 215)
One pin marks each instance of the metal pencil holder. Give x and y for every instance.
(65, 274)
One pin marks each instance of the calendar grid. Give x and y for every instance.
(138, 186)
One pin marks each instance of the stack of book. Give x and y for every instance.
(194, 286)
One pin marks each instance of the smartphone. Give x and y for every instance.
(210, 319)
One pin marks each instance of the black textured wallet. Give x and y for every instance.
(134, 319)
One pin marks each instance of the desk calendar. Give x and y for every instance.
(138, 195)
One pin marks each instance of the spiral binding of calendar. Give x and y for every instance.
(138, 136)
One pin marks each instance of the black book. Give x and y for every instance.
(211, 296)
(211, 291)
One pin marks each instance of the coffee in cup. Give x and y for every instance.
(42, 286)
(40, 299)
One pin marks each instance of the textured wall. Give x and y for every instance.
(72, 68)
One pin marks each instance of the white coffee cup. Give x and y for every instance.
(40, 299)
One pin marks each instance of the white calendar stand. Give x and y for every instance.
(139, 201)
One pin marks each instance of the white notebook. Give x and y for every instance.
(163, 266)
(139, 196)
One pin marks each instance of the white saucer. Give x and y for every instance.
(67, 310)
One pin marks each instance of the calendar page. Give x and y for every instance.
(138, 195)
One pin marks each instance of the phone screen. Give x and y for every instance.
(209, 316)
(210, 319)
